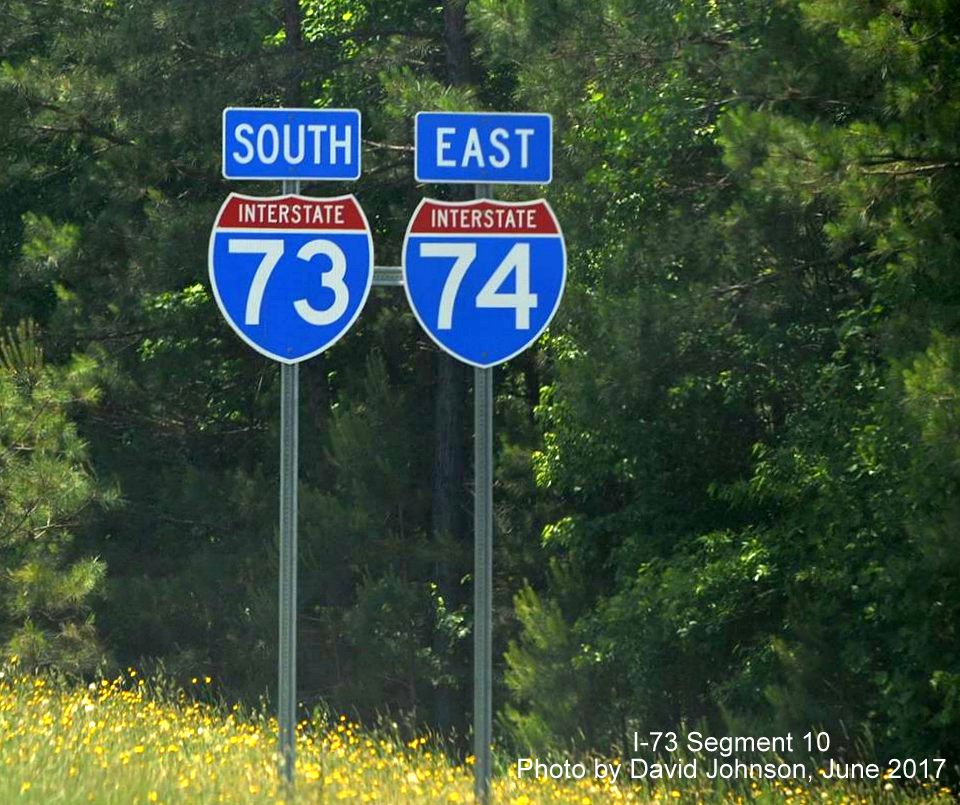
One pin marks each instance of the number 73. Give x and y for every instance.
(272, 251)
(521, 301)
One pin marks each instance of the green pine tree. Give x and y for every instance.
(47, 490)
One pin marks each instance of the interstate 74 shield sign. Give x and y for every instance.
(484, 277)
(290, 273)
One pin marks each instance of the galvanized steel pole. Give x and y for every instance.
(483, 572)
(287, 662)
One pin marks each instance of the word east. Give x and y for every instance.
(495, 151)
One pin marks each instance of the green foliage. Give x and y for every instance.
(727, 478)
(543, 677)
(749, 427)
(47, 489)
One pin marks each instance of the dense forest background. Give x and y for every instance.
(726, 480)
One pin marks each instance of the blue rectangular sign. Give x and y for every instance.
(291, 143)
(483, 147)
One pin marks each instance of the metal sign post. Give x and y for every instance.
(287, 661)
(483, 570)
(483, 278)
(487, 306)
(290, 274)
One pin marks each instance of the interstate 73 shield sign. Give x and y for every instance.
(484, 277)
(290, 273)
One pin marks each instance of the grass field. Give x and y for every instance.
(131, 741)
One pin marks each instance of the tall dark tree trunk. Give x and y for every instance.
(455, 39)
(450, 533)
(294, 45)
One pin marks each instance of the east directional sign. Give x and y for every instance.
(282, 143)
(290, 273)
(483, 147)
(484, 277)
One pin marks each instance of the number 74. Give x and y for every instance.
(490, 296)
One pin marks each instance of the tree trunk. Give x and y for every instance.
(294, 43)
(455, 39)
(449, 522)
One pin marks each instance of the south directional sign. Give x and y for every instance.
(283, 143)
(483, 147)
(290, 273)
(484, 277)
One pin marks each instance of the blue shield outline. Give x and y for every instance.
(444, 342)
(362, 240)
